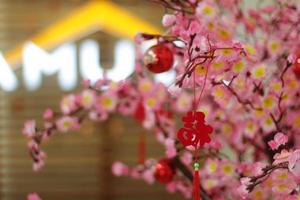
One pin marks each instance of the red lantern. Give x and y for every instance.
(296, 68)
(164, 171)
(158, 59)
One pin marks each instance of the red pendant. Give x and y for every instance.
(164, 171)
(195, 132)
(159, 58)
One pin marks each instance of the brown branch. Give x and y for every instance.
(288, 65)
(235, 94)
(256, 180)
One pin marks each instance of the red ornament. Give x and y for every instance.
(296, 68)
(159, 58)
(195, 131)
(139, 113)
(164, 171)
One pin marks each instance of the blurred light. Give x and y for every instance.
(8, 80)
(37, 62)
(167, 78)
(89, 61)
(65, 58)
(123, 62)
(90, 67)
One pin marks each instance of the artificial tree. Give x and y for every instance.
(238, 72)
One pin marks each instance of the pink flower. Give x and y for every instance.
(68, 104)
(48, 114)
(134, 173)
(258, 168)
(279, 139)
(171, 187)
(187, 158)
(168, 20)
(86, 83)
(170, 148)
(119, 169)
(86, 98)
(281, 188)
(37, 166)
(67, 123)
(29, 128)
(33, 196)
(148, 176)
(243, 191)
(107, 102)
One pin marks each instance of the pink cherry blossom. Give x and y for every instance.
(171, 187)
(168, 20)
(48, 114)
(279, 139)
(33, 196)
(120, 169)
(86, 83)
(170, 148)
(67, 123)
(86, 98)
(68, 104)
(29, 128)
(148, 176)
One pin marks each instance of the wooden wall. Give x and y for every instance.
(78, 163)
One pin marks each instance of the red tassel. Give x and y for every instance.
(142, 149)
(196, 183)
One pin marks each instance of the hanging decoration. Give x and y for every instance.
(164, 171)
(158, 58)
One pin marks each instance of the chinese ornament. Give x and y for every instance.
(164, 171)
(158, 58)
(296, 68)
(195, 133)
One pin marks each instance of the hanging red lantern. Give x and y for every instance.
(296, 68)
(158, 58)
(164, 171)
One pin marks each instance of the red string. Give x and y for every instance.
(196, 179)
(142, 149)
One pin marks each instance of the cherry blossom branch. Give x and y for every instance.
(243, 102)
(288, 65)
(253, 181)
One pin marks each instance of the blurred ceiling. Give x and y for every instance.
(21, 19)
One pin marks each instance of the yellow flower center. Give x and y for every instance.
(106, 102)
(259, 72)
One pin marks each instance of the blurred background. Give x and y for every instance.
(47, 48)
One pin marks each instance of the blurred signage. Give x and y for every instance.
(64, 60)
